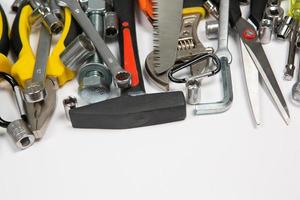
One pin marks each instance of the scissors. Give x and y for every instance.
(255, 60)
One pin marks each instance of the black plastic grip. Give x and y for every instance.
(4, 39)
(131, 111)
(193, 3)
(15, 42)
(235, 12)
(129, 53)
(257, 9)
(73, 32)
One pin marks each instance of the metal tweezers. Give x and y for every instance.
(255, 59)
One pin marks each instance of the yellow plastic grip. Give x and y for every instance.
(55, 66)
(194, 10)
(22, 70)
(295, 9)
(5, 64)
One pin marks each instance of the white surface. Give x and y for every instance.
(204, 157)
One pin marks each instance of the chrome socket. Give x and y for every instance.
(193, 92)
(265, 31)
(276, 14)
(285, 28)
(20, 133)
(77, 53)
(212, 29)
(111, 27)
(42, 13)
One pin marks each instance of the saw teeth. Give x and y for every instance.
(156, 51)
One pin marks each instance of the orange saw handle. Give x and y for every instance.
(146, 7)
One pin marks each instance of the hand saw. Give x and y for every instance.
(167, 15)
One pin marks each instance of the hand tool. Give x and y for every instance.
(41, 76)
(225, 59)
(146, 7)
(249, 42)
(21, 47)
(296, 89)
(122, 78)
(5, 64)
(18, 129)
(285, 28)
(188, 44)
(77, 52)
(43, 13)
(166, 24)
(130, 111)
(290, 66)
(265, 31)
(293, 36)
(40, 91)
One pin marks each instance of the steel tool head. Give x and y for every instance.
(167, 24)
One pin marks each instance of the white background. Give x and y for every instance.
(204, 157)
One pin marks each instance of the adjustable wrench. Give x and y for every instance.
(121, 76)
(189, 46)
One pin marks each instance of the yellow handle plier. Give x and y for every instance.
(22, 70)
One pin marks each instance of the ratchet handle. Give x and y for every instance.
(22, 70)
(128, 43)
(257, 9)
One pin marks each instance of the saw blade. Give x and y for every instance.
(167, 19)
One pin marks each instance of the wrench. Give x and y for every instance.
(35, 88)
(121, 77)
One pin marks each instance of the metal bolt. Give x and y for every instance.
(20, 133)
(94, 77)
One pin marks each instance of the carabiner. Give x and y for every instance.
(189, 63)
(18, 130)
